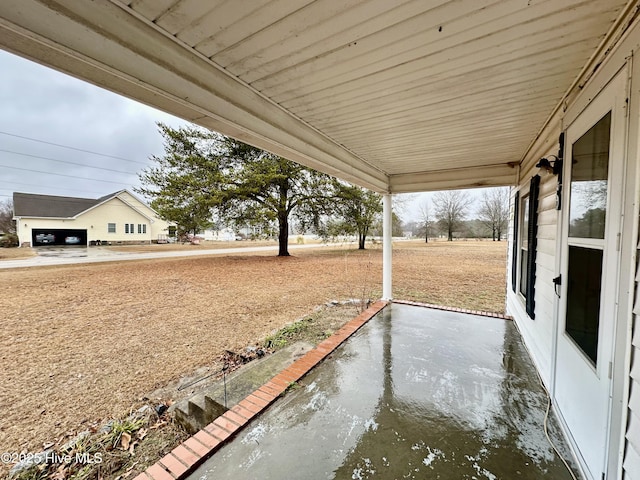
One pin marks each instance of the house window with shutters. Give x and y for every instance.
(525, 245)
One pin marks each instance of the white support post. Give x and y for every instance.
(386, 247)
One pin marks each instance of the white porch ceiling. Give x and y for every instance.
(393, 95)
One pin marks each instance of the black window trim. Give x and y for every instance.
(532, 245)
(532, 237)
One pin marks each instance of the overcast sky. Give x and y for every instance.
(45, 105)
(48, 107)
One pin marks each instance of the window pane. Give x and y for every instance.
(589, 173)
(525, 223)
(583, 298)
(523, 272)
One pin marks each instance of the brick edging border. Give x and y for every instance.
(454, 309)
(190, 454)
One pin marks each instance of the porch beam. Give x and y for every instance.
(387, 208)
(499, 175)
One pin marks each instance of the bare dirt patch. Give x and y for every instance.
(82, 344)
(16, 253)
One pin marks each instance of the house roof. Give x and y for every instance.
(394, 95)
(52, 206)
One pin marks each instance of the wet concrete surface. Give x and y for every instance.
(416, 393)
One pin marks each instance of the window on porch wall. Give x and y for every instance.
(525, 245)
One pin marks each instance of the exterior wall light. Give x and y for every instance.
(550, 166)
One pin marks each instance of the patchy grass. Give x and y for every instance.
(120, 448)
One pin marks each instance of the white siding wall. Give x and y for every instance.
(538, 333)
(158, 226)
(632, 450)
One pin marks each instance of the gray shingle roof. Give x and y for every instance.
(31, 205)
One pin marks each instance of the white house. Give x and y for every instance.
(117, 218)
(403, 97)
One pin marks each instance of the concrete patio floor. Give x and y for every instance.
(415, 393)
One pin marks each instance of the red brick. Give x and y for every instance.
(175, 466)
(257, 401)
(331, 342)
(276, 387)
(313, 356)
(303, 368)
(305, 361)
(285, 377)
(207, 440)
(279, 381)
(352, 326)
(271, 390)
(195, 446)
(297, 371)
(243, 412)
(269, 397)
(157, 472)
(224, 422)
(234, 417)
(217, 431)
(186, 456)
(252, 407)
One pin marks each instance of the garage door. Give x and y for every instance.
(58, 236)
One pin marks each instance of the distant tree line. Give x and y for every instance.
(448, 217)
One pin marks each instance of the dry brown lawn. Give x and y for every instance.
(83, 343)
(16, 253)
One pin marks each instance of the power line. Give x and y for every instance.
(63, 175)
(71, 148)
(46, 187)
(66, 161)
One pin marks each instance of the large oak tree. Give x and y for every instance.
(203, 175)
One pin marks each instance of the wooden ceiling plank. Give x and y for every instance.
(228, 24)
(424, 116)
(287, 26)
(383, 88)
(347, 27)
(185, 13)
(334, 69)
(395, 45)
(523, 80)
(151, 9)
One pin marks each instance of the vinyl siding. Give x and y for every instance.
(631, 463)
(538, 333)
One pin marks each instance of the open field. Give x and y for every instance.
(83, 343)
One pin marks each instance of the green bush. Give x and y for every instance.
(9, 240)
